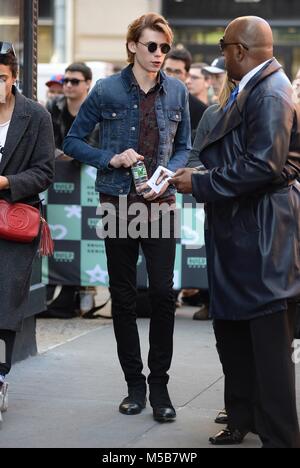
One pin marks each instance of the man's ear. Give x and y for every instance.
(15, 78)
(240, 52)
(132, 47)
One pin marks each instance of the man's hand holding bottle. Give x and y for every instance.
(131, 159)
(126, 159)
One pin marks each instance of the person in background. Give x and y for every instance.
(178, 64)
(76, 85)
(27, 169)
(63, 109)
(198, 82)
(55, 86)
(216, 71)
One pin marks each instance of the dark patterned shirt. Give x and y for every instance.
(149, 132)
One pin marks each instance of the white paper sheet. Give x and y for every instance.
(157, 174)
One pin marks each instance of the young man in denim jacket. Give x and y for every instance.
(143, 116)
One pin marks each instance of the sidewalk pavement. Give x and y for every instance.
(68, 397)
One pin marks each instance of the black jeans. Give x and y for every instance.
(260, 377)
(7, 341)
(122, 257)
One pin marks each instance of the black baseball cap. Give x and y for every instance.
(216, 67)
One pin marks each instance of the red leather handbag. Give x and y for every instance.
(22, 223)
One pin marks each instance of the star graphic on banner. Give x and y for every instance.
(73, 211)
(97, 275)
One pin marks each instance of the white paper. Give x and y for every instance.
(157, 174)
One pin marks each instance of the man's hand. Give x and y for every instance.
(4, 184)
(183, 180)
(126, 159)
(152, 195)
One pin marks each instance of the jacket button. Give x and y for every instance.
(135, 106)
(133, 129)
(114, 114)
(177, 116)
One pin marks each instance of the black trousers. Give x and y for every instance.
(259, 374)
(122, 258)
(7, 341)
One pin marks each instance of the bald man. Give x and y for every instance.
(252, 161)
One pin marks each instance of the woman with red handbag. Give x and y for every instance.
(26, 169)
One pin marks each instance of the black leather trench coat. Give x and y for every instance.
(253, 200)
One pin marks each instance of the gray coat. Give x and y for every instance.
(207, 122)
(28, 163)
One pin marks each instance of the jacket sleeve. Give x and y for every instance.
(207, 122)
(75, 144)
(268, 128)
(40, 173)
(182, 141)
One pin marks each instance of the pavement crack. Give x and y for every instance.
(201, 393)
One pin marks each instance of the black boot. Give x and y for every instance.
(163, 410)
(135, 402)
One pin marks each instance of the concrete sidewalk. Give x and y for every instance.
(68, 397)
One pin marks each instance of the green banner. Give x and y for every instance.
(79, 257)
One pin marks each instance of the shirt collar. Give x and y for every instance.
(244, 81)
(130, 80)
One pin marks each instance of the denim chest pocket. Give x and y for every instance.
(174, 117)
(113, 124)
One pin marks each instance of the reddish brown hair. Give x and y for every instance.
(149, 21)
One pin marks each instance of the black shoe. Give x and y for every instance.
(228, 437)
(164, 413)
(163, 410)
(135, 402)
(222, 417)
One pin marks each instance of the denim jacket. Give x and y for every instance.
(114, 104)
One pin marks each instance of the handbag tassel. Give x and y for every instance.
(46, 242)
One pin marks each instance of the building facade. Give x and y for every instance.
(199, 24)
(94, 30)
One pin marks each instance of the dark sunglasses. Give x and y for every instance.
(224, 44)
(152, 47)
(7, 48)
(73, 81)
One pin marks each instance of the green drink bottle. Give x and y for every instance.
(140, 177)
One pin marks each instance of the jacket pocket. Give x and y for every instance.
(113, 125)
(174, 117)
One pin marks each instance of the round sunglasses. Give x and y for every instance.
(153, 46)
